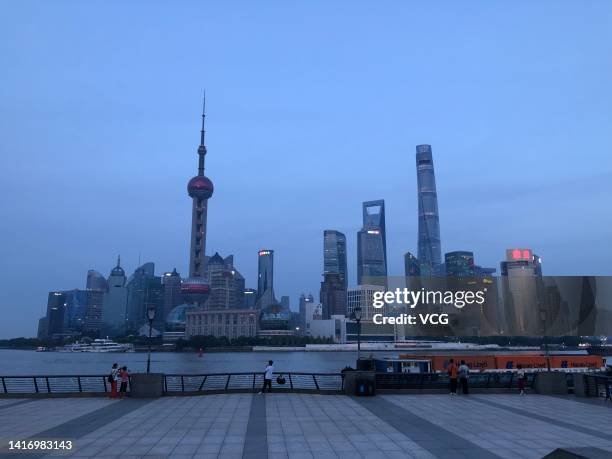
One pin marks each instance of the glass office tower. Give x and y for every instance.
(429, 251)
(334, 254)
(372, 245)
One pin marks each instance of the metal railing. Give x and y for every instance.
(440, 381)
(55, 384)
(247, 382)
(174, 384)
(598, 386)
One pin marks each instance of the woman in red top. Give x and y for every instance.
(451, 369)
(125, 378)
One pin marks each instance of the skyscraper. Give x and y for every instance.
(226, 284)
(411, 265)
(200, 189)
(334, 254)
(521, 273)
(114, 303)
(56, 314)
(372, 245)
(139, 295)
(265, 278)
(333, 295)
(96, 287)
(304, 302)
(459, 264)
(429, 248)
(172, 291)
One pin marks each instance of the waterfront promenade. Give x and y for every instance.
(313, 426)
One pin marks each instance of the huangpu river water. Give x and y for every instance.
(26, 363)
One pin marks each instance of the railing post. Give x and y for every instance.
(79, 381)
(165, 383)
(315, 381)
(35, 384)
(511, 379)
(228, 380)
(104, 382)
(488, 379)
(253, 381)
(290, 381)
(48, 386)
(204, 381)
(182, 385)
(4, 385)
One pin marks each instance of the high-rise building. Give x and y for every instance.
(114, 304)
(77, 307)
(429, 247)
(265, 278)
(96, 287)
(334, 254)
(522, 295)
(226, 284)
(250, 298)
(411, 265)
(333, 295)
(138, 296)
(200, 189)
(372, 245)
(285, 302)
(363, 296)
(304, 302)
(172, 291)
(459, 264)
(56, 314)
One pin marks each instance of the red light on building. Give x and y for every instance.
(519, 255)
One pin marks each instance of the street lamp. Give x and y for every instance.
(151, 317)
(357, 317)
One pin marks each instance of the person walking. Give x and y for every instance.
(125, 378)
(112, 379)
(520, 374)
(451, 369)
(464, 374)
(268, 374)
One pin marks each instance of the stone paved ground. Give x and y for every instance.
(312, 426)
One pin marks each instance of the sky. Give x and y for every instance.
(312, 108)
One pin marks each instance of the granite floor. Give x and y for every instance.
(310, 426)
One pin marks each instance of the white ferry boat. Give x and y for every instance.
(98, 345)
(107, 345)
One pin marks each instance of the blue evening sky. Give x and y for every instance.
(313, 107)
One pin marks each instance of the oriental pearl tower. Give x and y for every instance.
(196, 288)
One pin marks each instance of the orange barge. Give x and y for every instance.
(510, 361)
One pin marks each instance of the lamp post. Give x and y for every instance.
(357, 316)
(151, 317)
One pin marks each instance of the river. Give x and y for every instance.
(26, 363)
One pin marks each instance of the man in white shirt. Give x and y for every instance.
(268, 373)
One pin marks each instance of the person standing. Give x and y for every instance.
(125, 378)
(268, 374)
(112, 379)
(520, 374)
(451, 369)
(464, 374)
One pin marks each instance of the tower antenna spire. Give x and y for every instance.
(118, 260)
(203, 119)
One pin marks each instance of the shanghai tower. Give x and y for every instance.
(429, 250)
(200, 189)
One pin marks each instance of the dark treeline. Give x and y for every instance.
(197, 342)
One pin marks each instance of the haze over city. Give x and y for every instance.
(311, 110)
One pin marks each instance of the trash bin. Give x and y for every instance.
(364, 388)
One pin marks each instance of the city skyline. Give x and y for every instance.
(110, 159)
